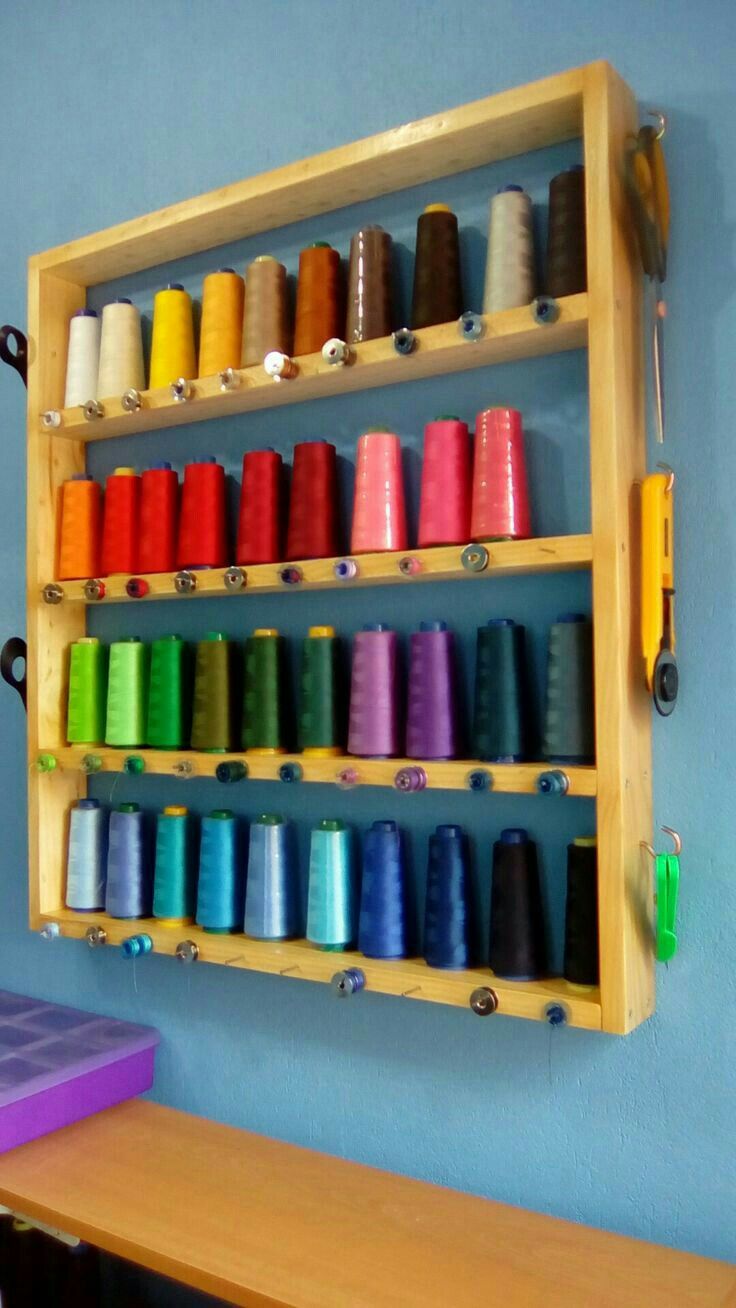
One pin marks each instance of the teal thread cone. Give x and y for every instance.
(569, 728)
(263, 699)
(167, 694)
(126, 693)
(220, 892)
(175, 869)
(333, 891)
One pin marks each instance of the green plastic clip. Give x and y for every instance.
(667, 871)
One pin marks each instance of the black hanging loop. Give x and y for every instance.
(16, 358)
(13, 649)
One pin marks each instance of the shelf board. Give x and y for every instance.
(512, 334)
(440, 563)
(506, 778)
(410, 978)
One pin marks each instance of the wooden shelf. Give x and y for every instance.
(441, 563)
(167, 1190)
(506, 778)
(507, 336)
(409, 978)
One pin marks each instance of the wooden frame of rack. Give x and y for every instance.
(591, 102)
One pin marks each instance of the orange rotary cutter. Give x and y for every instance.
(658, 590)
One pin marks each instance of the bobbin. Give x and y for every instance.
(410, 779)
(290, 575)
(474, 558)
(347, 778)
(51, 418)
(182, 768)
(50, 931)
(185, 582)
(137, 587)
(234, 578)
(348, 982)
(135, 946)
(229, 379)
(131, 400)
(404, 340)
(90, 763)
(484, 1001)
(133, 765)
(94, 589)
(280, 366)
(337, 352)
(479, 780)
(231, 770)
(181, 390)
(290, 772)
(93, 410)
(187, 951)
(470, 326)
(96, 936)
(345, 569)
(554, 782)
(52, 593)
(409, 566)
(545, 310)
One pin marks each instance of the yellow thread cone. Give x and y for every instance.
(172, 348)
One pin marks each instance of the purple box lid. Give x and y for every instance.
(42, 1045)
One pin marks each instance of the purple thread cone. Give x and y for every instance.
(431, 720)
(374, 707)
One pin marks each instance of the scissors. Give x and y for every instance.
(646, 174)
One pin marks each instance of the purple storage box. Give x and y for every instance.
(58, 1065)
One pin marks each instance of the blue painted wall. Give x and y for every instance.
(111, 110)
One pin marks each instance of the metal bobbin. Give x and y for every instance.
(96, 936)
(545, 310)
(345, 569)
(94, 590)
(348, 982)
(50, 931)
(280, 366)
(51, 418)
(554, 782)
(290, 772)
(229, 379)
(182, 768)
(480, 780)
(347, 778)
(187, 951)
(405, 342)
(410, 779)
(290, 575)
(409, 566)
(131, 400)
(337, 352)
(52, 593)
(235, 578)
(93, 410)
(135, 946)
(557, 1014)
(185, 582)
(90, 763)
(181, 390)
(474, 558)
(137, 587)
(470, 326)
(484, 1001)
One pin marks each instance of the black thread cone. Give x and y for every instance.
(566, 242)
(518, 937)
(581, 914)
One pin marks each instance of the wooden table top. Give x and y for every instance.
(269, 1225)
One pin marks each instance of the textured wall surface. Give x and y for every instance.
(112, 110)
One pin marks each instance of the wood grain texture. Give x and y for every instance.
(270, 1225)
(513, 122)
(512, 334)
(297, 960)
(506, 558)
(506, 778)
(50, 628)
(617, 460)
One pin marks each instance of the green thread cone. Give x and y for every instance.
(87, 692)
(126, 693)
(166, 694)
(500, 732)
(175, 872)
(212, 713)
(318, 699)
(263, 725)
(569, 730)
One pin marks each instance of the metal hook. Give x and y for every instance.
(666, 468)
(676, 841)
(661, 119)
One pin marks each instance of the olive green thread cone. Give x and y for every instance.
(211, 715)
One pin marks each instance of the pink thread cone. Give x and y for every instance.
(500, 507)
(444, 506)
(379, 511)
